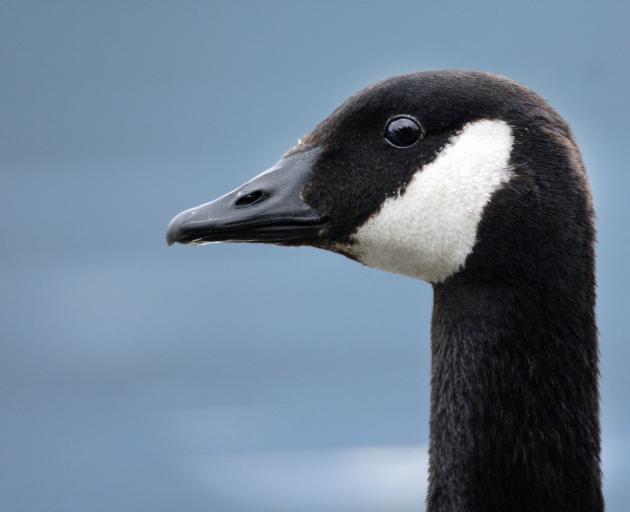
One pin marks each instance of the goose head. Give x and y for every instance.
(423, 175)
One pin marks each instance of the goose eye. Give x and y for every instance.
(402, 131)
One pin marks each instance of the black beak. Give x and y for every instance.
(269, 208)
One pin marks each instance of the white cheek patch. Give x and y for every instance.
(429, 230)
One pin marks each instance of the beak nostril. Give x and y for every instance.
(250, 199)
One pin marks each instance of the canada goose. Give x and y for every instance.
(473, 183)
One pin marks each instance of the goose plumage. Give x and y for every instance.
(473, 183)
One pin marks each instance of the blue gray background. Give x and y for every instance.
(246, 378)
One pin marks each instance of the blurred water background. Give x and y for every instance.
(246, 378)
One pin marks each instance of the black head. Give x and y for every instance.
(400, 175)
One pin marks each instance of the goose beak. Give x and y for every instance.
(268, 208)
